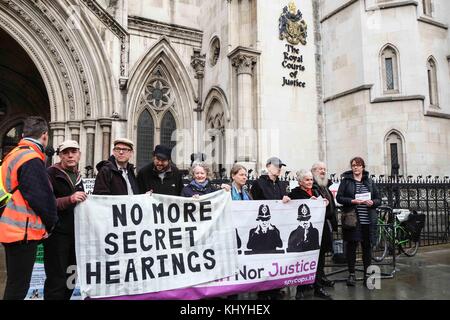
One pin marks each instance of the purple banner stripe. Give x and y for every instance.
(196, 293)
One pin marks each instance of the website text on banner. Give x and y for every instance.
(277, 247)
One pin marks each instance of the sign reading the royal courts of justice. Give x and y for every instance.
(294, 30)
(163, 247)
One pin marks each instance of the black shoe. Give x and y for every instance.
(351, 281)
(321, 293)
(326, 282)
(300, 295)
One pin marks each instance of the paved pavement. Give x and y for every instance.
(423, 277)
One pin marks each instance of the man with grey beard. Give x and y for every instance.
(321, 184)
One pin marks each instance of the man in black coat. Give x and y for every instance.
(321, 186)
(161, 175)
(59, 248)
(116, 175)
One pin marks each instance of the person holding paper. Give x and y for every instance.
(358, 192)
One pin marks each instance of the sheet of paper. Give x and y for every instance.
(363, 196)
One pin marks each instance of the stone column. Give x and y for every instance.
(198, 64)
(74, 127)
(90, 125)
(244, 61)
(58, 130)
(106, 124)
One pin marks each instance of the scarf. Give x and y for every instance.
(235, 193)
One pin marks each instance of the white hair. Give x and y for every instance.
(318, 164)
(302, 174)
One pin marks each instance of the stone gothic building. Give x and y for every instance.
(239, 80)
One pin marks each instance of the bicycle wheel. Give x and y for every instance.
(380, 247)
(409, 251)
(405, 244)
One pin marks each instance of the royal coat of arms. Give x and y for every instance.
(292, 26)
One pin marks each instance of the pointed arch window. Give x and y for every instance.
(432, 83)
(395, 155)
(168, 127)
(390, 70)
(145, 139)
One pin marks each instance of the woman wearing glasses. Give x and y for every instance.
(116, 175)
(358, 192)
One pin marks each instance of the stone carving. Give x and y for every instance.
(198, 63)
(119, 31)
(157, 94)
(291, 25)
(214, 51)
(244, 63)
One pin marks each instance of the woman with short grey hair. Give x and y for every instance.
(201, 174)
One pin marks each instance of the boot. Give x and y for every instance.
(326, 282)
(351, 281)
(300, 295)
(321, 293)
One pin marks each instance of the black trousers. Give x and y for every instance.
(59, 255)
(366, 250)
(20, 258)
(320, 273)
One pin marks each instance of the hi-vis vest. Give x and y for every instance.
(18, 222)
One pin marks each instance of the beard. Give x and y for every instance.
(321, 181)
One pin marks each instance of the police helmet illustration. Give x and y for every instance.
(304, 214)
(263, 213)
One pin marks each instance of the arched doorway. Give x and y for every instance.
(22, 92)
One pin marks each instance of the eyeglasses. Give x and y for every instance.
(125, 150)
(356, 165)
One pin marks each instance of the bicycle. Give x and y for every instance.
(393, 232)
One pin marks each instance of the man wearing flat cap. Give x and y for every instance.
(161, 175)
(116, 175)
(305, 237)
(265, 237)
(59, 248)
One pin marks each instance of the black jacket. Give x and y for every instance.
(148, 179)
(300, 194)
(63, 188)
(110, 181)
(191, 190)
(298, 243)
(345, 195)
(265, 189)
(37, 191)
(330, 213)
(263, 242)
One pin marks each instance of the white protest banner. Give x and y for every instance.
(278, 246)
(132, 246)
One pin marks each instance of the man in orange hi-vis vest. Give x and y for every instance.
(31, 213)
